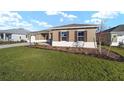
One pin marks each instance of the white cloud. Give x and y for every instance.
(52, 12)
(95, 21)
(23, 24)
(69, 16)
(10, 14)
(105, 14)
(9, 20)
(122, 12)
(63, 14)
(44, 24)
(98, 16)
(9, 17)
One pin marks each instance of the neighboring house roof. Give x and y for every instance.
(43, 31)
(115, 29)
(16, 31)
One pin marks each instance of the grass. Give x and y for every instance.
(22, 63)
(116, 49)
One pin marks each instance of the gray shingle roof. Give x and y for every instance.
(67, 27)
(16, 31)
(115, 29)
(74, 26)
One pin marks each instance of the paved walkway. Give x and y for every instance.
(13, 45)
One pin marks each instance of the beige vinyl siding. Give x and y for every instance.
(56, 35)
(71, 36)
(91, 35)
(85, 36)
(39, 37)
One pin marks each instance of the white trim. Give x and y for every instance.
(39, 41)
(33, 40)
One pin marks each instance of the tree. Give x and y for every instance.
(100, 29)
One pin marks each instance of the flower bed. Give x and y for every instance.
(85, 51)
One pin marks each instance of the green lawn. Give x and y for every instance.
(116, 49)
(22, 63)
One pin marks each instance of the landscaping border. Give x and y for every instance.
(85, 51)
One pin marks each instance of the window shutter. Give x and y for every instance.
(75, 36)
(68, 36)
(85, 36)
(59, 36)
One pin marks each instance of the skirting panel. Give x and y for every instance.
(75, 44)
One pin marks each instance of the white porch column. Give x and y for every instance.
(4, 36)
(0, 36)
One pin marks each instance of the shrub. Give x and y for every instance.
(121, 44)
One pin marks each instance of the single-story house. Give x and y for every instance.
(71, 35)
(113, 36)
(14, 35)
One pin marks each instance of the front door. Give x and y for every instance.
(32, 38)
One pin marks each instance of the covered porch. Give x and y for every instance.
(41, 37)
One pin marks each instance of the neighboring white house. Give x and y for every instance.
(118, 38)
(113, 36)
(14, 35)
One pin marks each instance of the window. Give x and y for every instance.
(8, 36)
(114, 38)
(64, 36)
(1, 36)
(80, 36)
(20, 37)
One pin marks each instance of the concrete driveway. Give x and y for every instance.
(13, 45)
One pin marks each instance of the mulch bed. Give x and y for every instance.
(85, 51)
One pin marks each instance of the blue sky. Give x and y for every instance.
(39, 20)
